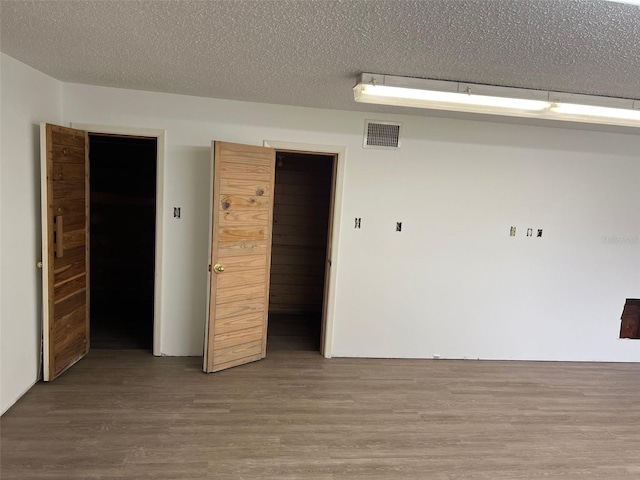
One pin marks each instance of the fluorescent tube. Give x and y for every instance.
(411, 97)
(593, 111)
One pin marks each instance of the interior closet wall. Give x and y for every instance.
(300, 222)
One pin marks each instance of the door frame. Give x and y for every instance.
(338, 182)
(160, 136)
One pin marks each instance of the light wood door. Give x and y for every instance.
(65, 246)
(243, 189)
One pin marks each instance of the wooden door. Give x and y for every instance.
(240, 255)
(65, 247)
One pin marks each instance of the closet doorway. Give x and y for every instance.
(123, 172)
(300, 252)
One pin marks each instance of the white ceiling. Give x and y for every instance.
(309, 52)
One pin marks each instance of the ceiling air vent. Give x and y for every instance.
(384, 135)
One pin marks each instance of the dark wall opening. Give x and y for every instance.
(122, 249)
(630, 321)
(302, 206)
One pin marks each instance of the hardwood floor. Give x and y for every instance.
(295, 415)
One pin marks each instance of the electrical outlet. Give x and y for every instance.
(176, 212)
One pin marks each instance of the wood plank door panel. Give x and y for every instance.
(241, 243)
(65, 247)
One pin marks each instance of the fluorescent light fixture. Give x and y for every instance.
(630, 2)
(594, 111)
(394, 95)
(490, 99)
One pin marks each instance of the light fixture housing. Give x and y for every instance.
(494, 100)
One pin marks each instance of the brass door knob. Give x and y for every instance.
(218, 268)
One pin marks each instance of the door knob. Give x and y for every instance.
(218, 268)
(39, 264)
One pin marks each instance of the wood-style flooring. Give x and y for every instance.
(295, 415)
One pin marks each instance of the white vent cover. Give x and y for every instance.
(384, 135)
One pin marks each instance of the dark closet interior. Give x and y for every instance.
(301, 211)
(122, 235)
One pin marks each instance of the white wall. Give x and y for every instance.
(27, 97)
(453, 283)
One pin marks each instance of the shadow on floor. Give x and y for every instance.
(294, 332)
(113, 331)
(129, 327)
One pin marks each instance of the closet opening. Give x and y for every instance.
(302, 214)
(123, 173)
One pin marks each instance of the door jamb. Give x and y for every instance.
(340, 153)
(160, 136)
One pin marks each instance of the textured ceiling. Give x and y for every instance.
(309, 53)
